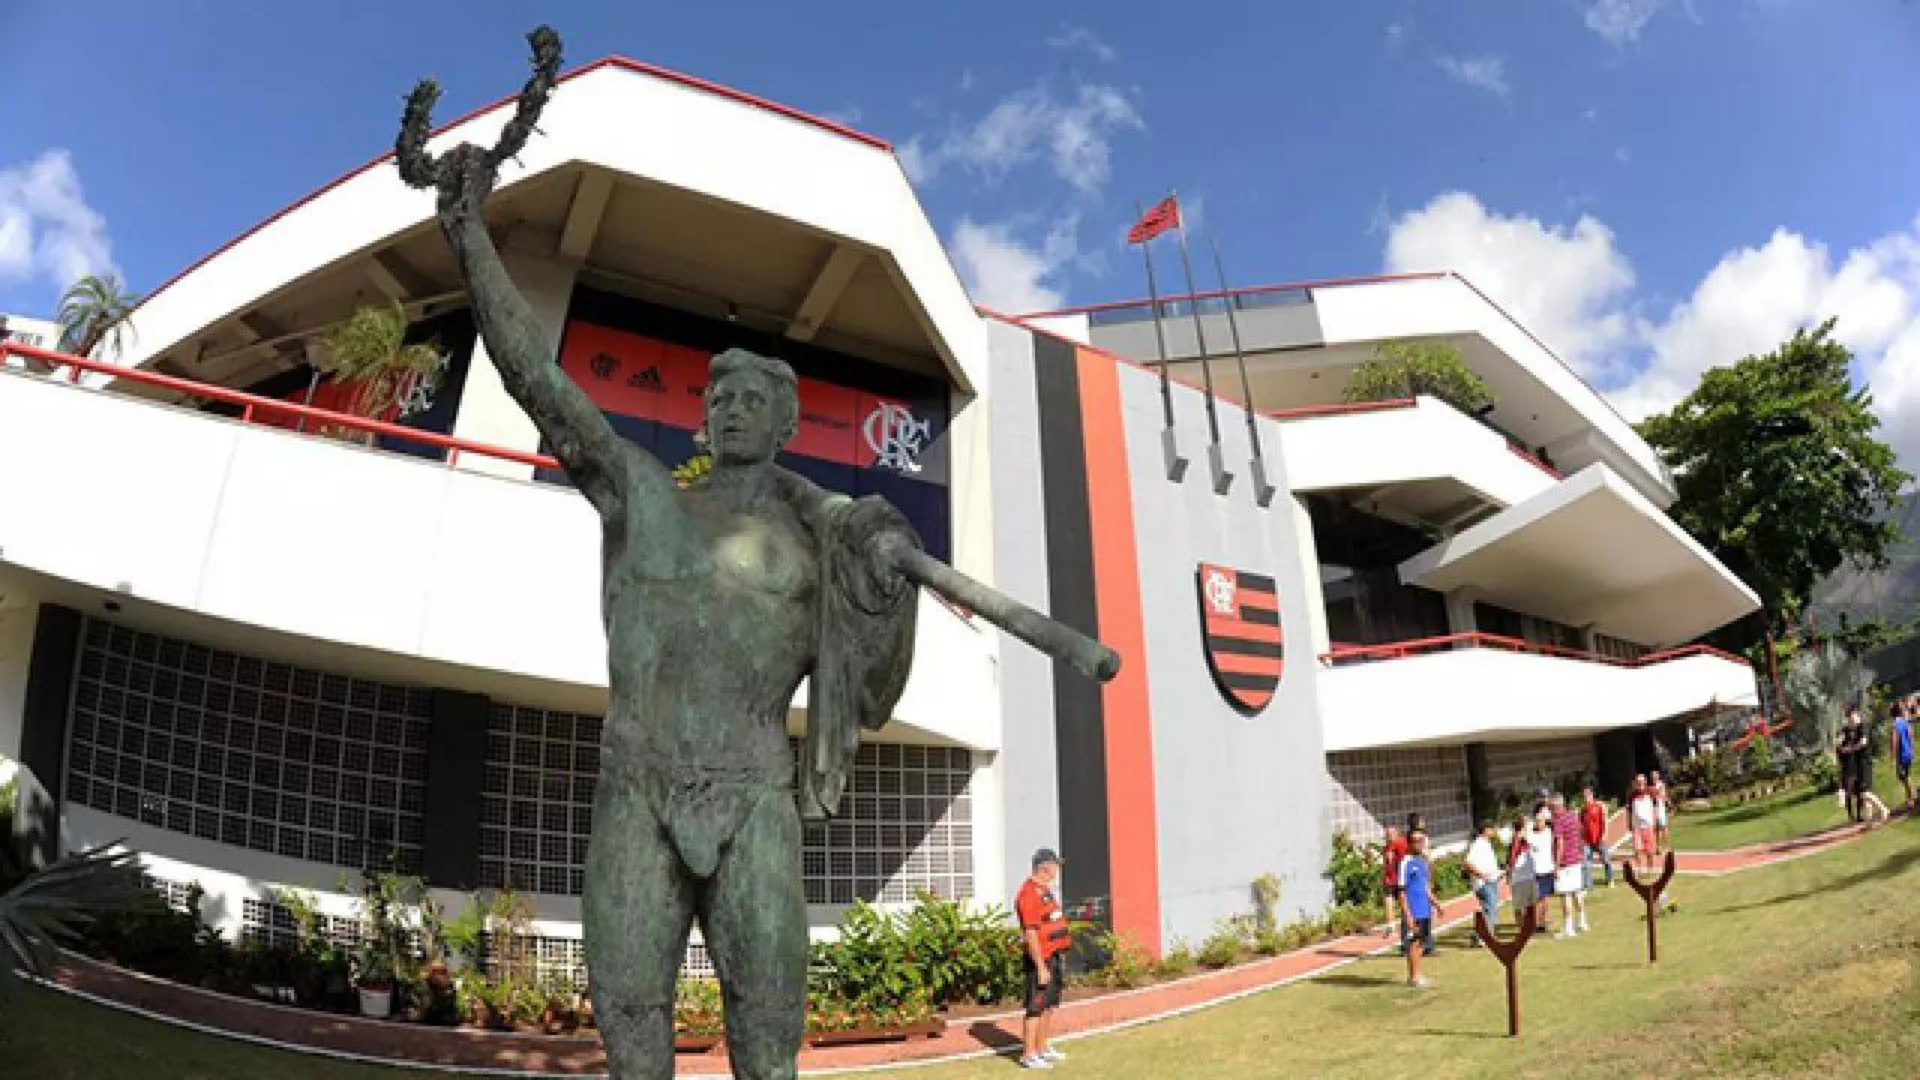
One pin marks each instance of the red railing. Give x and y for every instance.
(1449, 642)
(1344, 408)
(252, 405)
(1527, 456)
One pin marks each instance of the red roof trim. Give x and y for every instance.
(621, 62)
(1250, 290)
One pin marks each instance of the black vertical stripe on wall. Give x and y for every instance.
(456, 759)
(43, 731)
(1080, 750)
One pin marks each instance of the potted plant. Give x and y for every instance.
(369, 352)
(373, 978)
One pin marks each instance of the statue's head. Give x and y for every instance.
(753, 407)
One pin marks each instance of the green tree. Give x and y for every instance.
(1779, 471)
(1404, 369)
(95, 311)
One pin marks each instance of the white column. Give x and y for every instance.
(1316, 600)
(487, 413)
(1460, 617)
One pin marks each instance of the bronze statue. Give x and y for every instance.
(718, 600)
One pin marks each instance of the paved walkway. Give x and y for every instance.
(503, 1053)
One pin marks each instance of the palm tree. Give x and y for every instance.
(370, 351)
(95, 311)
(52, 904)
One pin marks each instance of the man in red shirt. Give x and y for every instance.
(1392, 850)
(1045, 938)
(1593, 828)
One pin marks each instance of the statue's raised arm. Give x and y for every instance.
(601, 464)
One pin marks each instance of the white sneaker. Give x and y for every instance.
(1054, 1054)
(1584, 928)
(1035, 1063)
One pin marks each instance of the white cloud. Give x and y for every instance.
(1485, 72)
(1619, 22)
(1396, 35)
(47, 230)
(1079, 37)
(1567, 284)
(1008, 274)
(1623, 155)
(1072, 134)
(1573, 287)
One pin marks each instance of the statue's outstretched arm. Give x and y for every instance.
(604, 466)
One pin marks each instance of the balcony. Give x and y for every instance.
(1488, 688)
(1432, 461)
(381, 564)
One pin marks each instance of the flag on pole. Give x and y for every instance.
(1164, 215)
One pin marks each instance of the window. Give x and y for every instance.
(262, 755)
(905, 821)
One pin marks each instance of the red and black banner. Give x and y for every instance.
(1240, 624)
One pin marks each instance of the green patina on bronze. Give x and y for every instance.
(718, 600)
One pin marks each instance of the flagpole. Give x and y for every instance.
(1222, 479)
(1262, 491)
(1169, 442)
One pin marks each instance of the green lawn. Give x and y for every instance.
(1802, 969)
(1780, 817)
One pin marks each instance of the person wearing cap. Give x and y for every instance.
(1045, 938)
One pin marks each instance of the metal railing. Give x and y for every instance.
(253, 406)
(1396, 650)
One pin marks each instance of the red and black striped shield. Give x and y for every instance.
(1240, 623)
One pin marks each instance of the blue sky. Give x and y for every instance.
(1653, 185)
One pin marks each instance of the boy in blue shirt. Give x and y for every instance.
(1903, 745)
(1417, 899)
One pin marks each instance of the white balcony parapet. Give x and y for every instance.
(1486, 688)
(405, 562)
(1590, 551)
(1402, 442)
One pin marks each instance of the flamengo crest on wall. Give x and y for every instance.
(1240, 626)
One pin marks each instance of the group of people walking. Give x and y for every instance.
(1549, 853)
(1853, 749)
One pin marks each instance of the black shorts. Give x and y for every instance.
(1041, 998)
(1904, 768)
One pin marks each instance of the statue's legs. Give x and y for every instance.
(637, 909)
(753, 913)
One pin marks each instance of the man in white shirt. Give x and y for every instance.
(1484, 867)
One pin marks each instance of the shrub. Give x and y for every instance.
(1450, 877)
(1270, 942)
(1760, 756)
(1225, 945)
(1823, 771)
(1176, 961)
(1128, 964)
(1346, 919)
(1355, 872)
(964, 956)
(158, 940)
(1266, 899)
(937, 950)
(1404, 369)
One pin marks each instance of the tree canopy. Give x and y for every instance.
(1779, 470)
(1404, 369)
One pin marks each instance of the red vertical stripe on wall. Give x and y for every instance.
(1132, 829)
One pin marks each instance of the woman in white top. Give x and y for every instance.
(1643, 815)
(1540, 849)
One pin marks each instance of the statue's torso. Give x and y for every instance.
(711, 624)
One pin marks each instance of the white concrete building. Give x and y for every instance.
(263, 656)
